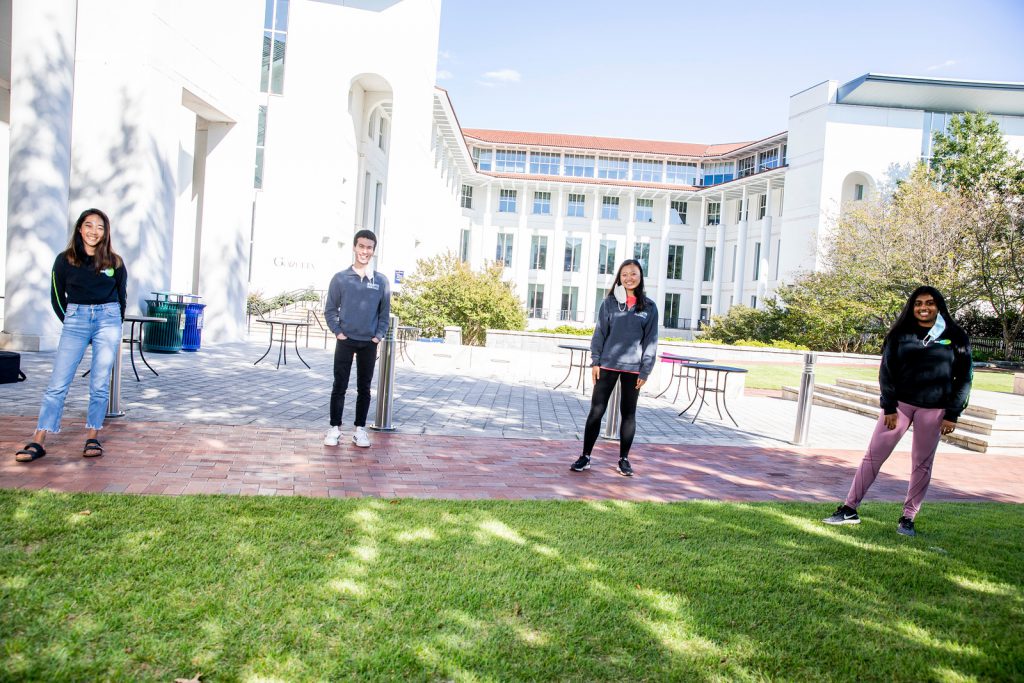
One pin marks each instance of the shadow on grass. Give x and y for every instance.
(294, 589)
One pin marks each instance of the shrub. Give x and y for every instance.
(568, 329)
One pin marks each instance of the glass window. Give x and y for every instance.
(382, 133)
(579, 166)
(507, 201)
(705, 308)
(542, 163)
(768, 159)
(542, 203)
(671, 318)
(535, 300)
(275, 21)
(762, 206)
(509, 161)
(281, 16)
(577, 204)
(573, 254)
(642, 253)
(742, 210)
(612, 168)
(709, 264)
(467, 197)
(644, 210)
(503, 254)
(570, 303)
(674, 269)
(714, 213)
(745, 167)
(261, 139)
(647, 171)
(610, 208)
(732, 273)
(757, 261)
(606, 258)
(677, 216)
(717, 172)
(858, 192)
(600, 294)
(539, 252)
(464, 247)
(681, 173)
(482, 157)
(753, 301)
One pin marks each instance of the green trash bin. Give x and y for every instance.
(164, 337)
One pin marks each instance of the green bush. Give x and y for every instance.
(568, 329)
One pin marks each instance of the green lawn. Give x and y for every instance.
(773, 376)
(258, 589)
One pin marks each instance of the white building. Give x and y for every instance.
(158, 111)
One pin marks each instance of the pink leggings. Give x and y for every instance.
(927, 430)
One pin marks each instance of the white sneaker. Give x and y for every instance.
(361, 438)
(332, 437)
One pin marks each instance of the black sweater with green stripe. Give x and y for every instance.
(933, 375)
(83, 285)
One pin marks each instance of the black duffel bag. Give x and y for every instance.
(10, 367)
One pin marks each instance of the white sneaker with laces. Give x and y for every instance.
(332, 437)
(361, 438)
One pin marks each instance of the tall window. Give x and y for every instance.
(671, 318)
(644, 210)
(539, 252)
(709, 264)
(275, 34)
(681, 173)
(464, 247)
(717, 172)
(542, 163)
(762, 206)
(535, 300)
(732, 273)
(542, 203)
(745, 167)
(674, 269)
(482, 157)
(579, 166)
(714, 213)
(382, 133)
(467, 197)
(261, 140)
(647, 171)
(507, 201)
(570, 302)
(612, 168)
(573, 254)
(610, 208)
(742, 209)
(858, 192)
(677, 216)
(577, 203)
(509, 161)
(757, 261)
(705, 308)
(642, 253)
(606, 258)
(503, 253)
(768, 159)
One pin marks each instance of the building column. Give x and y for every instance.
(698, 265)
(661, 268)
(479, 260)
(741, 249)
(716, 286)
(553, 290)
(766, 248)
(42, 90)
(521, 258)
(590, 263)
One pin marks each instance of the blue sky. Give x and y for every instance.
(700, 72)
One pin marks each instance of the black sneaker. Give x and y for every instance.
(844, 514)
(624, 468)
(906, 527)
(582, 463)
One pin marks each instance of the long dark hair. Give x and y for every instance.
(639, 293)
(105, 256)
(906, 320)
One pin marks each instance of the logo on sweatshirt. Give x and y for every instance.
(109, 272)
(641, 314)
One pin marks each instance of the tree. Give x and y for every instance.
(445, 291)
(974, 163)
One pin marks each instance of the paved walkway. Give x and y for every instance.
(213, 423)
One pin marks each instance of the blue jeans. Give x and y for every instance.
(99, 325)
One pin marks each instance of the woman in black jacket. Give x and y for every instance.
(925, 380)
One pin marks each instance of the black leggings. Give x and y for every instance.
(627, 407)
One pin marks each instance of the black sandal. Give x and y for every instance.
(31, 451)
(92, 449)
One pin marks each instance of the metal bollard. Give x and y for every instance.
(612, 416)
(805, 400)
(386, 379)
(114, 398)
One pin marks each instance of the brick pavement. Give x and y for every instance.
(213, 423)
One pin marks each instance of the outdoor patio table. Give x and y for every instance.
(284, 326)
(405, 333)
(133, 340)
(681, 372)
(703, 388)
(580, 363)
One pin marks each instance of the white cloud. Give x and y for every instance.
(444, 55)
(943, 65)
(444, 75)
(502, 76)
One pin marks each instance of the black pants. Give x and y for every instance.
(627, 407)
(365, 353)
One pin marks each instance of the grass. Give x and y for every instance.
(153, 588)
(774, 376)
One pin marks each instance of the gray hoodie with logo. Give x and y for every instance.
(360, 307)
(625, 339)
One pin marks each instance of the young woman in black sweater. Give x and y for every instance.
(88, 287)
(925, 380)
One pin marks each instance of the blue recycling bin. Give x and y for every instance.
(192, 334)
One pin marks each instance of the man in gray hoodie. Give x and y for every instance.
(357, 311)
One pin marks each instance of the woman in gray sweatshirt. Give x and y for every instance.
(623, 350)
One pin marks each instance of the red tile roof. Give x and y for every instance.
(686, 149)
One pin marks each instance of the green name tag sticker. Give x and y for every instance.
(109, 272)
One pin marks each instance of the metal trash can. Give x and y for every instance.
(191, 336)
(164, 337)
